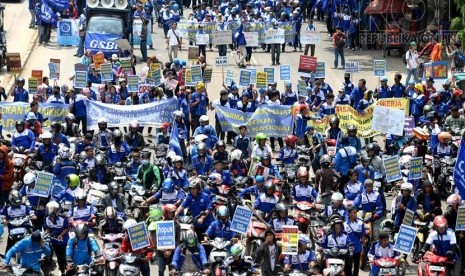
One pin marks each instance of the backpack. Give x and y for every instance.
(459, 60)
(404, 57)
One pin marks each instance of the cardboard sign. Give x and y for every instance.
(57, 63)
(251, 38)
(53, 74)
(320, 70)
(138, 236)
(409, 125)
(302, 88)
(222, 61)
(207, 75)
(261, 80)
(80, 67)
(274, 36)
(156, 77)
(285, 72)
(352, 67)
(126, 66)
(133, 83)
(171, 84)
(257, 169)
(405, 239)
(415, 168)
(99, 59)
(437, 70)
(222, 38)
(165, 235)
(80, 79)
(290, 239)
(408, 217)
(229, 77)
(379, 68)
(43, 183)
(32, 85)
(388, 120)
(188, 78)
(307, 64)
(13, 62)
(244, 78)
(309, 37)
(152, 67)
(202, 39)
(253, 77)
(392, 168)
(106, 73)
(460, 226)
(269, 74)
(193, 53)
(241, 220)
(137, 26)
(196, 72)
(37, 74)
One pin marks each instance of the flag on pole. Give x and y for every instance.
(175, 145)
(459, 171)
(60, 5)
(47, 15)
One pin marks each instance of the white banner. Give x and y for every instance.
(251, 38)
(388, 120)
(310, 37)
(274, 36)
(221, 38)
(202, 39)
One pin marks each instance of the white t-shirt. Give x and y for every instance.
(173, 41)
(272, 249)
(411, 58)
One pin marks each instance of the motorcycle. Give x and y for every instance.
(137, 197)
(423, 229)
(446, 177)
(335, 262)
(218, 254)
(96, 193)
(289, 179)
(20, 227)
(431, 264)
(304, 212)
(129, 264)
(255, 236)
(390, 267)
(21, 159)
(94, 268)
(111, 251)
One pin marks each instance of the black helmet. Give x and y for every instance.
(113, 186)
(20, 79)
(36, 236)
(19, 123)
(56, 126)
(81, 229)
(15, 198)
(430, 116)
(325, 159)
(117, 134)
(373, 146)
(345, 140)
(220, 144)
(351, 128)
(334, 120)
(270, 185)
(280, 207)
(266, 156)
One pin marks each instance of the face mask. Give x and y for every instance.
(144, 162)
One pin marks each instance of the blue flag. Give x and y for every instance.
(174, 140)
(459, 171)
(47, 15)
(60, 5)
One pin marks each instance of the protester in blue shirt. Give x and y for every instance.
(355, 229)
(305, 258)
(381, 249)
(196, 252)
(80, 247)
(220, 228)
(198, 105)
(303, 191)
(58, 227)
(19, 93)
(398, 89)
(443, 239)
(358, 92)
(267, 201)
(403, 202)
(23, 137)
(383, 91)
(365, 170)
(346, 158)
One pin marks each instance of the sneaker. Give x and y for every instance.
(273, 64)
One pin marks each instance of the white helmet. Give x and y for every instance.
(31, 116)
(47, 135)
(337, 197)
(134, 124)
(203, 119)
(404, 161)
(52, 206)
(171, 155)
(200, 138)
(102, 120)
(236, 155)
(29, 178)
(129, 223)
(406, 186)
(64, 153)
(177, 113)
(178, 158)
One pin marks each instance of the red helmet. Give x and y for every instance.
(302, 107)
(453, 199)
(165, 125)
(302, 171)
(168, 208)
(457, 93)
(440, 221)
(290, 140)
(436, 96)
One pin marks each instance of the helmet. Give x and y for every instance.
(19, 123)
(446, 82)
(259, 179)
(168, 185)
(334, 120)
(266, 156)
(52, 207)
(200, 86)
(14, 198)
(260, 136)
(134, 124)
(427, 108)
(387, 225)
(223, 212)
(406, 186)
(80, 195)
(374, 147)
(56, 126)
(117, 134)
(443, 136)
(439, 222)
(202, 148)
(203, 119)
(81, 229)
(29, 178)
(82, 156)
(337, 197)
(171, 155)
(365, 158)
(270, 185)
(168, 208)
(20, 79)
(436, 96)
(215, 179)
(100, 160)
(200, 138)
(351, 128)
(237, 250)
(165, 125)
(64, 153)
(302, 172)
(102, 121)
(178, 113)
(325, 159)
(175, 7)
(109, 213)
(47, 135)
(129, 223)
(113, 186)
(73, 180)
(345, 140)
(195, 184)
(70, 116)
(303, 240)
(280, 207)
(31, 116)
(190, 239)
(453, 199)
(236, 155)
(220, 144)
(290, 140)
(178, 158)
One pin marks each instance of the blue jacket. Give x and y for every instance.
(417, 104)
(384, 92)
(301, 193)
(251, 190)
(209, 131)
(84, 214)
(21, 95)
(240, 37)
(169, 198)
(179, 177)
(201, 108)
(219, 230)
(440, 108)
(243, 144)
(10, 213)
(67, 195)
(345, 159)
(199, 257)
(197, 205)
(369, 203)
(115, 155)
(31, 253)
(202, 168)
(79, 106)
(355, 231)
(61, 138)
(398, 90)
(78, 251)
(81, 146)
(442, 243)
(287, 155)
(65, 168)
(377, 253)
(399, 214)
(24, 139)
(48, 153)
(360, 169)
(57, 228)
(356, 95)
(352, 190)
(300, 125)
(266, 203)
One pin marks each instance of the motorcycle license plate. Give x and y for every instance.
(17, 231)
(437, 268)
(387, 271)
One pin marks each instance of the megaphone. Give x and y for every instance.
(121, 4)
(92, 3)
(107, 3)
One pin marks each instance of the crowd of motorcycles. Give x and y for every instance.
(308, 216)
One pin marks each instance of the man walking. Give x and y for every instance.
(339, 39)
(174, 41)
